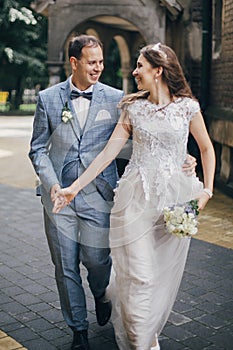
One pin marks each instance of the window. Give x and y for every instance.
(217, 27)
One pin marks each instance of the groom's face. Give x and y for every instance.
(87, 70)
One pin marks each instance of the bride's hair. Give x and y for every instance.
(163, 56)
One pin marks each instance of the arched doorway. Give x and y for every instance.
(124, 27)
(121, 40)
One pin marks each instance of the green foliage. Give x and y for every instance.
(112, 73)
(23, 47)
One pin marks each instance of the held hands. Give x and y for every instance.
(62, 198)
(189, 165)
(53, 191)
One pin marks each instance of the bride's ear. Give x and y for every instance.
(158, 71)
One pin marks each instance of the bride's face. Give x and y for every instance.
(144, 74)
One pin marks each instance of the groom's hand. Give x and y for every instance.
(54, 189)
(189, 165)
(63, 197)
(60, 201)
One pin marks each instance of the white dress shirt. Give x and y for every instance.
(81, 104)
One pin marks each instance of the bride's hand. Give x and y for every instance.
(202, 200)
(189, 167)
(63, 197)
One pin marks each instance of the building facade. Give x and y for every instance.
(219, 112)
(199, 31)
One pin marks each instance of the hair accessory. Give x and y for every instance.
(157, 47)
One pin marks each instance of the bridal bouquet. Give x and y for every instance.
(181, 220)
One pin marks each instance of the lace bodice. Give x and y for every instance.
(160, 136)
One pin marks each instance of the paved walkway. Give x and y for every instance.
(30, 316)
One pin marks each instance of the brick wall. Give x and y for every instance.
(220, 111)
(221, 93)
(194, 66)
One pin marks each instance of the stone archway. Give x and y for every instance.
(125, 57)
(131, 24)
(93, 32)
(127, 40)
(125, 61)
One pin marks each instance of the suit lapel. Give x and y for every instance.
(65, 97)
(97, 97)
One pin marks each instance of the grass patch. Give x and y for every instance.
(24, 109)
(28, 107)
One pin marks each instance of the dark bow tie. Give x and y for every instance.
(76, 94)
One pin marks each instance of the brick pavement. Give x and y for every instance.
(30, 316)
(202, 316)
(216, 221)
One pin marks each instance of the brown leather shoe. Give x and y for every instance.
(80, 340)
(103, 308)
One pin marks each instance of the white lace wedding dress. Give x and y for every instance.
(148, 263)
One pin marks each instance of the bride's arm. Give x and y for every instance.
(116, 142)
(199, 132)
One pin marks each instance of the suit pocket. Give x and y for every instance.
(110, 174)
(69, 173)
(104, 189)
(103, 115)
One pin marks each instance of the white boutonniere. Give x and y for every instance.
(66, 113)
(181, 220)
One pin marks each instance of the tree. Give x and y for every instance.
(112, 73)
(23, 48)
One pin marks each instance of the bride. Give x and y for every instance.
(148, 262)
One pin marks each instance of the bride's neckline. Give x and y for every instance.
(159, 107)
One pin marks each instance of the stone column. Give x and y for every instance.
(54, 68)
(225, 163)
(67, 68)
(125, 79)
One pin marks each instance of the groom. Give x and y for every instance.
(73, 122)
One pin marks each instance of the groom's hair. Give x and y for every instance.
(79, 42)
